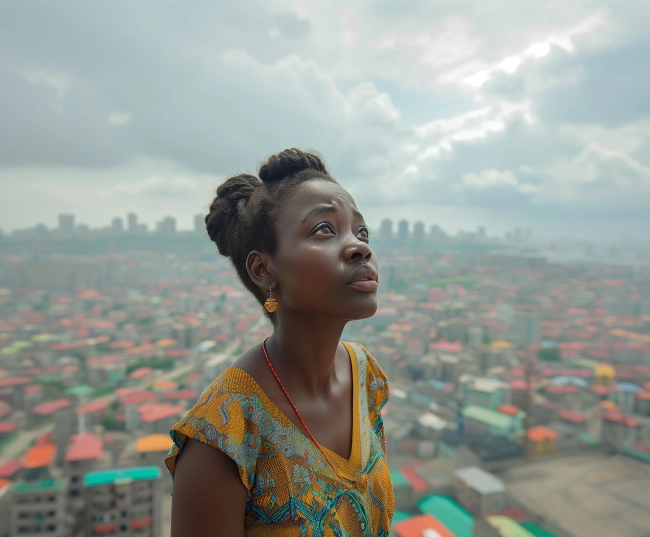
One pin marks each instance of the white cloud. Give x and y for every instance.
(495, 179)
(117, 119)
(58, 81)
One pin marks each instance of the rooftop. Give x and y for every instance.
(45, 409)
(487, 416)
(38, 486)
(106, 477)
(153, 442)
(416, 527)
(481, 481)
(84, 447)
(39, 456)
(507, 527)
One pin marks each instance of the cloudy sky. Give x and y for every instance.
(504, 113)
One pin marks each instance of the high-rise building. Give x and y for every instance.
(403, 231)
(418, 232)
(436, 234)
(526, 328)
(39, 503)
(386, 230)
(199, 224)
(132, 222)
(167, 226)
(124, 501)
(117, 225)
(66, 224)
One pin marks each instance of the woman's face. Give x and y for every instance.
(323, 264)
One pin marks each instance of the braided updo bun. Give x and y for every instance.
(243, 214)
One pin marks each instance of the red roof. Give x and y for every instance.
(39, 456)
(196, 376)
(616, 416)
(7, 427)
(93, 406)
(141, 523)
(45, 409)
(84, 447)
(9, 468)
(643, 395)
(446, 346)
(105, 528)
(34, 388)
(571, 416)
(156, 412)
(140, 373)
(139, 397)
(186, 394)
(7, 382)
(417, 483)
(599, 389)
(415, 526)
(510, 410)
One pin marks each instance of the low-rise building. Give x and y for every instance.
(479, 491)
(123, 501)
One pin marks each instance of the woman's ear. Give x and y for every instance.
(258, 271)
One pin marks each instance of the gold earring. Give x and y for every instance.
(271, 303)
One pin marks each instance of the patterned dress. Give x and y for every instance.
(292, 490)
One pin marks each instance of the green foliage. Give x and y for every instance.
(549, 355)
(110, 423)
(164, 364)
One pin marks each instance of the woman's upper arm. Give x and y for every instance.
(209, 499)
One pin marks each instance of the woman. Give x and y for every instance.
(289, 440)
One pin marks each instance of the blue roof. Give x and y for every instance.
(565, 380)
(105, 477)
(437, 384)
(628, 387)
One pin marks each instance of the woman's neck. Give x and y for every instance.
(303, 352)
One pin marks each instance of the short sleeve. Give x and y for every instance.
(377, 384)
(223, 419)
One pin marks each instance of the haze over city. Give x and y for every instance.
(520, 114)
(500, 155)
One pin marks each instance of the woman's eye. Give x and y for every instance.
(364, 233)
(323, 230)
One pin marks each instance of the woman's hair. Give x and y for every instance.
(242, 216)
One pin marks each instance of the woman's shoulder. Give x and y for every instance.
(375, 379)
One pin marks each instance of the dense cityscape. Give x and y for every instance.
(519, 376)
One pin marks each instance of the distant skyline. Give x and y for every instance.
(520, 114)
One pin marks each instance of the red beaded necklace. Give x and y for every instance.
(266, 355)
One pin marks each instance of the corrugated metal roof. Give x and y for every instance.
(105, 477)
(507, 527)
(39, 456)
(453, 516)
(481, 481)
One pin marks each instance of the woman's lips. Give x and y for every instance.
(365, 284)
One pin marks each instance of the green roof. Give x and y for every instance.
(398, 516)
(398, 479)
(642, 456)
(508, 527)
(487, 416)
(536, 530)
(38, 486)
(588, 439)
(459, 521)
(80, 390)
(121, 475)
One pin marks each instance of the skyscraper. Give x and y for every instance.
(132, 222)
(117, 225)
(167, 226)
(66, 224)
(199, 224)
(403, 231)
(386, 230)
(418, 232)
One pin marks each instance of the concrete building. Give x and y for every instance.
(403, 231)
(485, 392)
(480, 492)
(5, 506)
(526, 327)
(386, 230)
(418, 232)
(123, 501)
(84, 455)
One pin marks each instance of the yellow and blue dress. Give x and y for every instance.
(292, 490)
